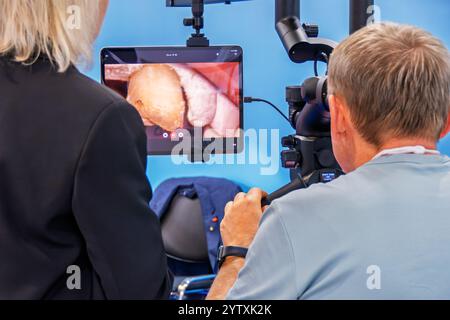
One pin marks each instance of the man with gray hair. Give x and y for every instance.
(383, 230)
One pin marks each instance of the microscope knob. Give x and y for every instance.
(294, 94)
(326, 158)
(188, 22)
(312, 30)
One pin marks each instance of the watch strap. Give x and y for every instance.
(230, 251)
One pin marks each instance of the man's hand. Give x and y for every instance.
(242, 217)
(238, 228)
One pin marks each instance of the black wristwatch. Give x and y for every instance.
(225, 252)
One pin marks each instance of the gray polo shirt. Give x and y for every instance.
(381, 232)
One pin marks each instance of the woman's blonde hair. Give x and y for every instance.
(62, 30)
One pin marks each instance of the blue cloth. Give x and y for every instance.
(214, 194)
(381, 232)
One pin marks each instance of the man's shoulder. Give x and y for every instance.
(328, 209)
(321, 196)
(368, 191)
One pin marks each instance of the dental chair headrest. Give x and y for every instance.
(183, 231)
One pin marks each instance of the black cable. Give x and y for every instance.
(325, 57)
(316, 71)
(250, 100)
(327, 60)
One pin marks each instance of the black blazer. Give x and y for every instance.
(73, 191)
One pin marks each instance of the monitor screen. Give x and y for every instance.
(178, 89)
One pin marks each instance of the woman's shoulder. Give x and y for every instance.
(70, 90)
(95, 94)
(82, 95)
(60, 100)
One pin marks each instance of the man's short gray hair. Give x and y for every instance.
(395, 80)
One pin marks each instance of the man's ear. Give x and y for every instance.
(338, 117)
(447, 128)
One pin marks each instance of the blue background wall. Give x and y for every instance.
(267, 67)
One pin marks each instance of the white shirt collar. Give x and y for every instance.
(406, 150)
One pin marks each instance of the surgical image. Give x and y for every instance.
(181, 96)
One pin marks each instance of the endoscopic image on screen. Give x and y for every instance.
(177, 96)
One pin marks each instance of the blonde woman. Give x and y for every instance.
(74, 215)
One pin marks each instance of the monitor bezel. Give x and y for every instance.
(129, 55)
